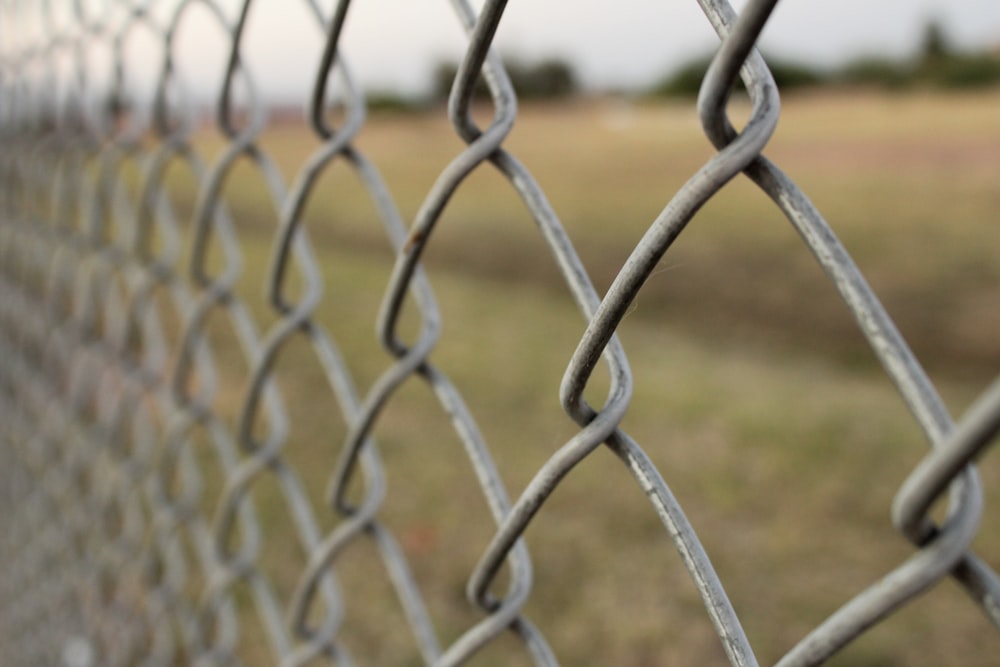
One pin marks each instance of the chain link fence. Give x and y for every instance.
(133, 526)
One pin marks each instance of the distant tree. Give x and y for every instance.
(935, 43)
(788, 75)
(686, 81)
(443, 78)
(876, 72)
(937, 64)
(942, 66)
(962, 71)
(388, 101)
(548, 79)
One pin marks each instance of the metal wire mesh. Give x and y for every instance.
(132, 534)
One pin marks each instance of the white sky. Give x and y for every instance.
(394, 44)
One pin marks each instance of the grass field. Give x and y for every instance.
(755, 396)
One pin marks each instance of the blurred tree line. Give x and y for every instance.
(936, 65)
(547, 79)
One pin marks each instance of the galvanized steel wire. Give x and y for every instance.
(102, 479)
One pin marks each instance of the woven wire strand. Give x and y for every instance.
(116, 550)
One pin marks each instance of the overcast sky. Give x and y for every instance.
(394, 44)
(625, 43)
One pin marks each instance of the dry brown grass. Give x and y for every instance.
(785, 457)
